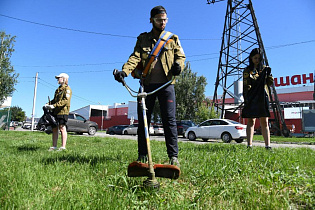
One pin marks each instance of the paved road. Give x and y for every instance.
(199, 141)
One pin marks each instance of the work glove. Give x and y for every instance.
(176, 69)
(119, 76)
(50, 107)
(268, 70)
(269, 80)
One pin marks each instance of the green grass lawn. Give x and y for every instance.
(92, 174)
(280, 139)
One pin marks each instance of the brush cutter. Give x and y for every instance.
(150, 170)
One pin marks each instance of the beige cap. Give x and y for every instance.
(62, 75)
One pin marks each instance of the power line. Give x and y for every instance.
(54, 87)
(78, 72)
(89, 32)
(68, 65)
(68, 29)
(94, 64)
(291, 44)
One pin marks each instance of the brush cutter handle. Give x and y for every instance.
(139, 94)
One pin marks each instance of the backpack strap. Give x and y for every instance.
(164, 38)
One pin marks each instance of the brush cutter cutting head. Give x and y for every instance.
(137, 169)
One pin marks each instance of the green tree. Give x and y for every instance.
(205, 112)
(17, 114)
(8, 77)
(190, 96)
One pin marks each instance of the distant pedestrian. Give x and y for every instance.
(256, 79)
(61, 107)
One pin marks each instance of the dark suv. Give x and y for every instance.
(183, 125)
(78, 124)
(116, 129)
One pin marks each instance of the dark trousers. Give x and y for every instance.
(166, 98)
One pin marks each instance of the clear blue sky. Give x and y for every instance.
(89, 58)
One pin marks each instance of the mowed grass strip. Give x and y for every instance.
(92, 174)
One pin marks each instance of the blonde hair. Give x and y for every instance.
(66, 80)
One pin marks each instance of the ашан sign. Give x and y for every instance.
(294, 80)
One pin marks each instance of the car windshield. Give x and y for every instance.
(80, 117)
(233, 122)
(187, 123)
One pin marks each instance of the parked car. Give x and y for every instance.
(116, 129)
(28, 125)
(158, 129)
(132, 129)
(78, 124)
(218, 129)
(183, 125)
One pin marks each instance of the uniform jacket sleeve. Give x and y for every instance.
(134, 58)
(179, 55)
(62, 99)
(247, 84)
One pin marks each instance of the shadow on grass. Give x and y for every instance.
(26, 148)
(72, 158)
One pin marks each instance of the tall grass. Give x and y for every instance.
(91, 174)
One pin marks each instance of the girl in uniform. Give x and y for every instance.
(256, 82)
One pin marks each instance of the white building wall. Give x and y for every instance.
(132, 110)
(86, 111)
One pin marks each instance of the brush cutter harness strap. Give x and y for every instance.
(164, 39)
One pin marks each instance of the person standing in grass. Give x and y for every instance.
(61, 108)
(168, 64)
(256, 80)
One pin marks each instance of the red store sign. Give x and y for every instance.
(294, 80)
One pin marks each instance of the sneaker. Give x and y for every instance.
(142, 158)
(52, 149)
(249, 146)
(61, 149)
(268, 148)
(174, 161)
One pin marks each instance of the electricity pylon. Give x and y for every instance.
(240, 35)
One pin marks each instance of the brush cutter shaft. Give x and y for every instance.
(146, 133)
(167, 172)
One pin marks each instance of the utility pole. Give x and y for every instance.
(34, 101)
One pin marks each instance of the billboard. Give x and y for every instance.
(294, 112)
(308, 122)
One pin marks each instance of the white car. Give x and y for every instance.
(132, 129)
(217, 129)
(158, 130)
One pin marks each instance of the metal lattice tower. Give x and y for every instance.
(240, 35)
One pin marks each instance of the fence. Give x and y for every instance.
(5, 119)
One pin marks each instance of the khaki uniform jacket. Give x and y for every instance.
(172, 52)
(61, 100)
(250, 77)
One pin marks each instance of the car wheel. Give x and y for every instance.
(239, 140)
(191, 136)
(92, 131)
(226, 137)
(205, 139)
(125, 132)
(112, 133)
